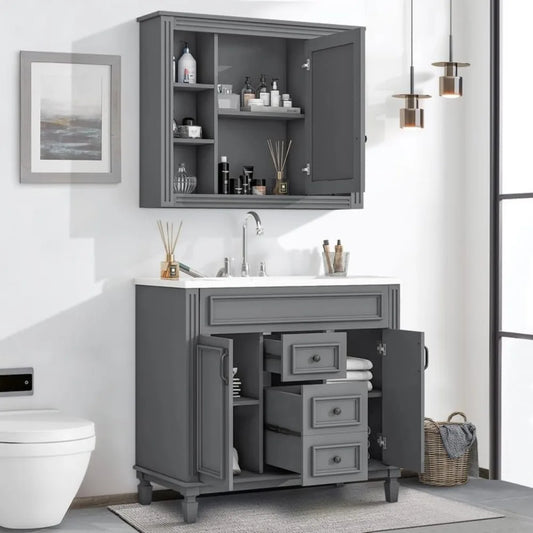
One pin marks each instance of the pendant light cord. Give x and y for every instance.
(412, 69)
(451, 43)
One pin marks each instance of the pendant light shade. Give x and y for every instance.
(451, 84)
(412, 115)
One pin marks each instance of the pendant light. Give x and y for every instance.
(451, 84)
(412, 116)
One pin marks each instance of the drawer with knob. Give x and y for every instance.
(306, 356)
(317, 409)
(320, 459)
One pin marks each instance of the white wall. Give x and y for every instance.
(70, 252)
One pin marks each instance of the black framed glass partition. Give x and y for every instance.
(511, 245)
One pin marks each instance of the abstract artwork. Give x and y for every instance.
(70, 118)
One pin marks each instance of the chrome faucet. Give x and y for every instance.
(259, 231)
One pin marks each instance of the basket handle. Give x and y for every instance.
(457, 413)
(431, 421)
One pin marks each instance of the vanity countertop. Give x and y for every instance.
(186, 282)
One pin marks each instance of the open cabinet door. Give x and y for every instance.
(335, 113)
(214, 411)
(403, 399)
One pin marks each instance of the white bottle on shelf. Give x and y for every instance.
(274, 93)
(186, 66)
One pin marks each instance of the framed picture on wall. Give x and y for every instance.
(69, 118)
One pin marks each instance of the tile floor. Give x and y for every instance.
(514, 501)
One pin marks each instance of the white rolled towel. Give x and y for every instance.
(356, 363)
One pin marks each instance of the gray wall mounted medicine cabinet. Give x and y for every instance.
(321, 66)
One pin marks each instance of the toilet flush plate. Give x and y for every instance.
(16, 381)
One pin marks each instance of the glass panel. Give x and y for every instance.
(517, 265)
(515, 112)
(517, 411)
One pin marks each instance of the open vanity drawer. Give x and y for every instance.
(320, 459)
(319, 431)
(306, 356)
(317, 409)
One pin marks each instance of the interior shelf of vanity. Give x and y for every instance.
(230, 113)
(269, 474)
(196, 142)
(243, 400)
(375, 393)
(193, 87)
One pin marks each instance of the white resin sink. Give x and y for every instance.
(269, 281)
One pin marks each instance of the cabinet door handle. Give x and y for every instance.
(426, 353)
(222, 373)
(337, 411)
(316, 358)
(337, 459)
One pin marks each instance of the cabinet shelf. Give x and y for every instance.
(258, 115)
(375, 394)
(195, 142)
(193, 87)
(243, 400)
(270, 474)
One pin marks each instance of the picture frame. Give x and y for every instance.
(69, 118)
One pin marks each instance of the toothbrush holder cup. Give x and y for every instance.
(338, 268)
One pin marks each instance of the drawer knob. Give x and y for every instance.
(337, 411)
(316, 358)
(337, 459)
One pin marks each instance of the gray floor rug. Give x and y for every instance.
(356, 508)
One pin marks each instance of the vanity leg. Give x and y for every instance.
(189, 505)
(144, 491)
(392, 488)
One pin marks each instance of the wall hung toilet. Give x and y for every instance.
(44, 455)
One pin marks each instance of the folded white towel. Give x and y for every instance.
(356, 363)
(369, 383)
(359, 375)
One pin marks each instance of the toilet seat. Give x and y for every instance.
(42, 426)
(44, 456)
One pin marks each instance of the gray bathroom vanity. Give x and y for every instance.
(290, 425)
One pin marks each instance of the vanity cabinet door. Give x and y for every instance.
(335, 113)
(214, 362)
(403, 399)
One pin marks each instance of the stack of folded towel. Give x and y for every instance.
(357, 369)
(236, 384)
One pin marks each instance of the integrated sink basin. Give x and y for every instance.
(267, 281)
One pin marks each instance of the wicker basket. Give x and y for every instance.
(439, 469)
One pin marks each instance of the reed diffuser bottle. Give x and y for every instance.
(279, 151)
(169, 267)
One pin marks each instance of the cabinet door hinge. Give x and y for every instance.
(307, 64)
(382, 442)
(307, 169)
(382, 348)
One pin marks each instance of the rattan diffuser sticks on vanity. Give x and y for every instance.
(170, 267)
(279, 152)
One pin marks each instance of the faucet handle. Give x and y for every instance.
(226, 270)
(262, 270)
